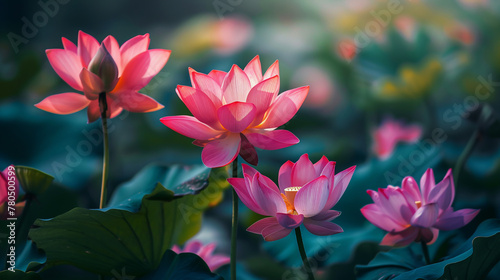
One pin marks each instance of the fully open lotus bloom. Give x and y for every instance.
(390, 133)
(236, 111)
(305, 195)
(93, 68)
(9, 191)
(205, 252)
(412, 214)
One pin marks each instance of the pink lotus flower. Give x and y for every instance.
(390, 133)
(9, 191)
(235, 111)
(204, 252)
(412, 214)
(94, 68)
(305, 195)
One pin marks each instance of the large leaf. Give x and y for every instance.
(102, 241)
(472, 260)
(33, 181)
(181, 180)
(18, 275)
(182, 266)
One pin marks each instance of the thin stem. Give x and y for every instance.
(104, 108)
(307, 266)
(425, 250)
(474, 139)
(234, 226)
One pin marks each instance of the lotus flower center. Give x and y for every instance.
(418, 203)
(289, 198)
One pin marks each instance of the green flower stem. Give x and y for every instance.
(473, 140)
(104, 108)
(234, 226)
(425, 250)
(307, 266)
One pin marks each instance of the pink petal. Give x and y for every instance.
(69, 46)
(262, 95)
(400, 239)
(92, 84)
(326, 215)
(137, 102)
(341, 181)
(236, 86)
(242, 188)
(248, 152)
(207, 85)
(192, 247)
(205, 252)
(87, 48)
(427, 183)
(134, 47)
(380, 218)
(320, 165)
(272, 140)
(141, 69)
(191, 127)
(222, 151)
(289, 221)
(285, 176)
(443, 193)
(322, 228)
(261, 224)
(236, 116)
(329, 172)
(216, 261)
(411, 192)
(67, 65)
(312, 197)
(248, 170)
(63, 103)
(275, 232)
(114, 50)
(303, 171)
(393, 203)
(218, 76)
(254, 71)
(425, 216)
(285, 107)
(450, 220)
(93, 111)
(411, 133)
(176, 249)
(273, 70)
(4, 186)
(266, 195)
(199, 105)
(428, 235)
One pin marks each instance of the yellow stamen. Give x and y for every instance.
(289, 198)
(418, 203)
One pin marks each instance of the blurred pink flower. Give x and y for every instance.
(305, 195)
(390, 133)
(231, 35)
(205, 252)
(347, 49)
(95, 68)
(412, 214)
(9, 193)
(235, 111)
